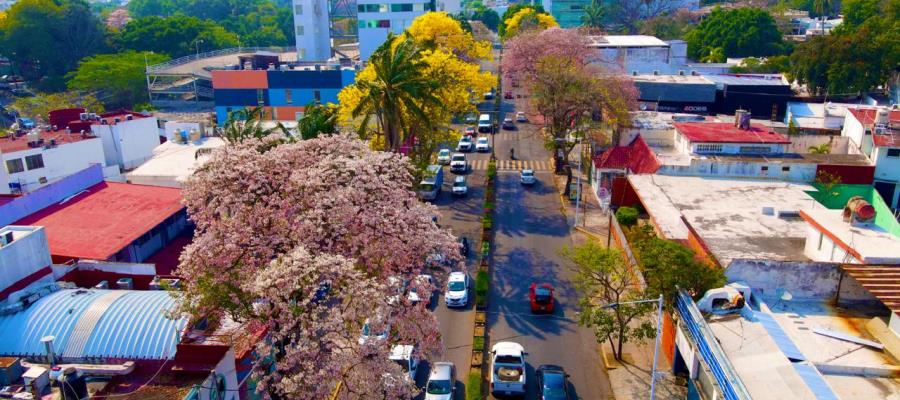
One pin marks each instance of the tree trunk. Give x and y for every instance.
(621, 341)
(567, 190)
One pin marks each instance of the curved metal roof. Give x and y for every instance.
(99, 324)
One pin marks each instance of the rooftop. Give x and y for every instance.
(626, 41)
(696, 79)
(172, 162)
(13, 144)
(201, 66)
(887, 138)
(869, 244)
(101, 220)
(746, 80)
(637, 157)
(735, 218)
(866, 116)
(818, 115)
(91, 323)
(755, 343)
(722, 132)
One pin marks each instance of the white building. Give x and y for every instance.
(128, 138)
(379, 17)
(311, 27)
(32, 161)
(876, 134)
(174, 161)
(24, 258)
(641, 54)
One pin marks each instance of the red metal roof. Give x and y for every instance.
(636, 157)
(8, 145)
(104, 219)
(724, 132)
(866, 116)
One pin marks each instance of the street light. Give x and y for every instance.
(658, 334)
(197, 43)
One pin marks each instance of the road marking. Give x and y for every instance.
(513, 165)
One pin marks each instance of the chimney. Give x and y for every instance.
(48, 345)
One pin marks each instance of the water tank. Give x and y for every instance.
(858, 209)
(742, 119)
(882, 116)
(72, 385)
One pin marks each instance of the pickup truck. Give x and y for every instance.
(508, 369)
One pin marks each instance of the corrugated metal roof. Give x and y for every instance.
(778, 335)
(111, 324)
(882, 281)
(815, 381)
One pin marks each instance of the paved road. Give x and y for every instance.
(531, 231)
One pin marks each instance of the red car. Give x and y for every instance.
(541, 298)
(470, 131)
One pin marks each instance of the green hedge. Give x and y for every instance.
(473, 386)
(478, 343)
(487, 222)
(482, 281)
(627, 216)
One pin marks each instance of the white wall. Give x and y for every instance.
(799, 172)
(128, 143)
(60, 161)
(449, 6)
(819, 247)
(735, 148)
(227, 368)
(886, 168)
(855, 131)
(27, 254)
(314, 42)
(800, 144)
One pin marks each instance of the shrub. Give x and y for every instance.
(481, 287)
(627, 216)
(485, 248)
(487, 222)
(473, 386)
(488, 205)
(478, 343)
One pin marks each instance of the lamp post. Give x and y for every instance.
(659, 309)
(197, 45)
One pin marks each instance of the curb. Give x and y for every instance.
(607, 362)
(589, 233)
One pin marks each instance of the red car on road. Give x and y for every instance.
(541, 298)
(470, 131)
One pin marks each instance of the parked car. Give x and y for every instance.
(443, 157)
(508, 369)
(370, 333)
(419, 283)
(520, 117)
(482, 144)
(431, 183)
(541, 298)
(489, 95)
(527, 177)
(465, 144)
(458, 163)
(471, 118)
(25, 123)
(457, 294)
(470, 131)
(553, 383)
(441, 382)
(508, 124)
(407, 357)
(460, 186)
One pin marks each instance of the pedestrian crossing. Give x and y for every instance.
(514, 165)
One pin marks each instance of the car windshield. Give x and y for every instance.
(456, 286)
(426, 187)
(542, 295)
(445, 152)
(508, 360)
(459, 157)
(527, 173)
(459, 184)
(439, 387)
(483, 140)
(465, 140)
(554, 386)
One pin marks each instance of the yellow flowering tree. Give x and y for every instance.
(528, 19)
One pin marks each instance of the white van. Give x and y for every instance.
(484, 123)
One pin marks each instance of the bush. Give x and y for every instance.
(627, 216)
(473, 386)
(481, 287)
(478, 343)
(485, 249)
(488, 205)
(487, 222)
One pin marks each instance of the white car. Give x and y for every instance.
(482, 144)
(465, 144)
(508, 369)
(458, 163)
(370, 333)
(441, 382)
(457, 294)
(460, 187)
(520, 117)
(420, 284)
(407, 357)
(527, 177)
(443, 157)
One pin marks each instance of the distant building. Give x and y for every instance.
(128, 137)
(283, 93)
(876, 134)
(569, 13)
(24, 259)
(817, 118)
(312, 30)
(174, 161)
(377, 18)
(34, 160)
(641, 54)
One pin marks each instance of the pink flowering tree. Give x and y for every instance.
(522, 53)
(263, 213)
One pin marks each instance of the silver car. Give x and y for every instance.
(441, 382)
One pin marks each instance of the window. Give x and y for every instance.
(577, 7)
(893, 153)
(299, 30)
(384, 23)
(298, 9)
(34, 161)
(288, 96)
(14, 166)
(418, 7)
(383, 8)
(755, 149)
(302, 54)
(821, 235)
(261, 97)
(785, 169)
(401, 7)
(764, 168)
(709, 148)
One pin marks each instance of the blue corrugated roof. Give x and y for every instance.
(781, 338)
(95, 324)
(815, 381)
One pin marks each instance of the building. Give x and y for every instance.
(675, 93)
(568, 13)
(377, 18)
(765, 96)
(109, 221)
(802, 28)
(174, 161)
(312, 30)
(42, 157)
(876, 134)
(128, 137)
(640, 54)
(282, 92)
(24, 258)
(817, 118)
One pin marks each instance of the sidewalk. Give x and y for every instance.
(592, 220)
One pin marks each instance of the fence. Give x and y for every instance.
(217, 53)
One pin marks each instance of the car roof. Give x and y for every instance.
(441, 371)
(465, 138)
(460, 179)
(457, 276)
(459, 154)
(401, 352)
(508, 348)
(528, 171)
(445, 150)
(482, 139)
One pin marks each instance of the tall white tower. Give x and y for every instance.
(311, 30)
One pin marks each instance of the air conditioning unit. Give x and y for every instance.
(104, 122)
(125, 284)
(117, 120)
(102, 285)
(84, 116)
(129, 117)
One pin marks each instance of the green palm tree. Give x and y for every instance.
(399, 94)
(317, 119)
(248, 123)
(594, 14)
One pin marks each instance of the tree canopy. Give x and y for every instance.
(119, 78)
(176, 36)
(40, 105)
(742, 32)
(527, 19)
(513, 10)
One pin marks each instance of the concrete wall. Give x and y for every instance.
(816, 281)
(129, 143)
(800, 144)
(820, 248)
(313, 42)
(800, 172)
(59, 162)
(653, 137)
(886, 168)
(23, 206)
(27, 254)
(226, 368)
